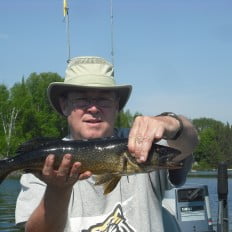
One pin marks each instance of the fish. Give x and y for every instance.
(107, 158)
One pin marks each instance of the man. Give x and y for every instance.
(67, 200)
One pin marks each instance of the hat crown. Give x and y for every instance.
(87, 73)
(90, 71)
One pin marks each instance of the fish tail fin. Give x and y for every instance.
(3, 170)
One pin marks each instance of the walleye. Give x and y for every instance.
(107, 158)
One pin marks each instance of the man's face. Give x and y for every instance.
(90, 114)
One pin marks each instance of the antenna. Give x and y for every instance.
(66, 18)
(112, 31)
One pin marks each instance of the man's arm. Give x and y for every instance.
(51, 214)
(147, 129)
(187, 141)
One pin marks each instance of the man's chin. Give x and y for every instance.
(94, 135)
(97, 134)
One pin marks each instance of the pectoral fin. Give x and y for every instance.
(110, 185)
(109, 182)
(102, 179)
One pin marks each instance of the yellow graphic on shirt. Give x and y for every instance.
(115, 222)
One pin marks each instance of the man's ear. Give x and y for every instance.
(64, 106)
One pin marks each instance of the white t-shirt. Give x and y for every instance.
(134, 205)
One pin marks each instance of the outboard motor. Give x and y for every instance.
(190, 206)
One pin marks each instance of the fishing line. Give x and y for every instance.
(112, 31)
(66, 18)
(67, 23)
(120, 186)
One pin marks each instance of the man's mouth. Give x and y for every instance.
(93, 121)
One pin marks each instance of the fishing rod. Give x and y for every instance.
(222, 188)
(66, 18)
(112, 31)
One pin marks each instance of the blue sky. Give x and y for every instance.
(177, 54)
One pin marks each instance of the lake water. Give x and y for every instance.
(10, 189)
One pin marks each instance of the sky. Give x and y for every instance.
(177, 54)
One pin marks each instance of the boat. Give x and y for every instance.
(190, 205)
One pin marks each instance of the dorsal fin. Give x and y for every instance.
(36, 144)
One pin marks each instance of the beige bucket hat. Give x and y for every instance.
(87, 72)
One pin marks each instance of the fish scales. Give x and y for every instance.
(108, 157)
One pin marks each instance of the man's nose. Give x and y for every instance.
(93, 108)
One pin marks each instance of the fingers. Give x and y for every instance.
(140, 147)
(85, 175)
(67, 173)
(65, 166)
(75, 172)
(139, 140)
(48, 166)
(143, 132)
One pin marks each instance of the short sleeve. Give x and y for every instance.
(32, 191)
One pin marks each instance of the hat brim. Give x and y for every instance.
(58, 89)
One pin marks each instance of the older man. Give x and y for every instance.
(67, 200)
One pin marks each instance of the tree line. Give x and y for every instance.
(25, 113)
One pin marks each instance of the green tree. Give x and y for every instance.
(125, 119)
(215, 142)
(27, 104)
(4, 103)
(25, 113)
(48, 122)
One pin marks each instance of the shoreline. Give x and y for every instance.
(207, 173)
(192, 173)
